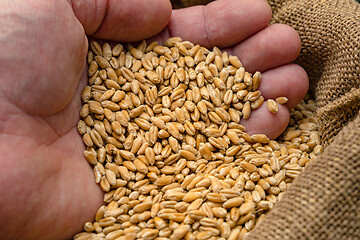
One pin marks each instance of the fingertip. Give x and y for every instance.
(300, 89)
(291, 36)
(274, 46)
(266, 10)
(289, 81)
(262, 121)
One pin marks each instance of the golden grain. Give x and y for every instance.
(161, 127)
(272, 106)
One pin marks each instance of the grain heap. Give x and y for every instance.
(161, 127)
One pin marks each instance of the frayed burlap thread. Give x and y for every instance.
(324, 201)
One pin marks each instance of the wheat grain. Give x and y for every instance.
(161, 127)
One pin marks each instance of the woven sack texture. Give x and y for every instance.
(324, 201)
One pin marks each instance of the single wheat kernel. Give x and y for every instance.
(246, 111)
(281, 100)
(272, 106)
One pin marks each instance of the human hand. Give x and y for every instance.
(47, 188)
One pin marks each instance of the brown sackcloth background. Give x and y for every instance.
(324, 201)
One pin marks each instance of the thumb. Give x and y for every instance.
(122, 20)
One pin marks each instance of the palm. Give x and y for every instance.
(52, 187)
(58, 187)
(47, 187)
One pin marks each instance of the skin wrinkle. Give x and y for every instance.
(19, 113)
(102, 17)
(94, 15)
(8, 91)
(52, 176)
(27, 192)
(35, 82)
(54, 130)
(41, 121)
(6, 106)
(5, 134)
(206, 25)
(105, 15)
(51, 136)
(52, 198)
(40, 210)
(74, 103)
(210, 36)
(124, 17)
(166, 34)
(161, 37)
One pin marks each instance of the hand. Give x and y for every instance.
(47, 188)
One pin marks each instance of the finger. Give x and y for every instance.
(289, 81)
(274, 46)
(221, 23)
(262, 121)
(122, 20)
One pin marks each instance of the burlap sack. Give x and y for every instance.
(324, 201)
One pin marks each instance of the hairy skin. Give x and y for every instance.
(47, 188)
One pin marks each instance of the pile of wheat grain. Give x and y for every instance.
(161, 128)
